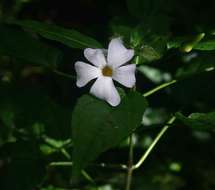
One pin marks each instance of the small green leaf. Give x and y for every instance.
(19, 44)
(203, 121)
(69, 37)
(96, 126)
(197, 42)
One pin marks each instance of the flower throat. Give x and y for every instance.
(107, 71)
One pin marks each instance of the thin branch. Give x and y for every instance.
(151, 147)
(160, 87)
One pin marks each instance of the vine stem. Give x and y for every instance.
(151, 147)
(164, 85)
(130, 164)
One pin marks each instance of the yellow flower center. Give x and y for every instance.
(107, 71)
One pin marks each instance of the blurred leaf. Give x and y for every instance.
(7, 127)
(197, 42)
(152, 49)
(33, 111)
(205, 45)
(195, 64)
(197, 91)
(22, 169)
(69, 37)
(97, 127)
(203, 121)
(154, 116)
(152, 13)
(52, 188)
(154, 74)
(19, 44)
(176, 42)
(46, 149)
(57, 143)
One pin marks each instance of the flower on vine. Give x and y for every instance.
(107, 65)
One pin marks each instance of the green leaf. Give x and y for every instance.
(19, 44)
(96, 126)
(69, 37)
(203, 121)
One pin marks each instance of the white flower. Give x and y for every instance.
(107, 69)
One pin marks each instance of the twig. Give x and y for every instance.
(158, 137)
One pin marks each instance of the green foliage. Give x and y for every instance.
(69, 37)
(95, 124)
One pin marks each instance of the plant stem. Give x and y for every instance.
(160, 87)
(130, 164)
(158, 137)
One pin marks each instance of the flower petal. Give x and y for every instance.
(104, 89)
(95, 56)
(85, 73)
(118, 54)
(125, 75)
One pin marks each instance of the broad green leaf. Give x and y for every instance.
(96, 126)
(19, 44)
(69, 37)
(203, 121)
